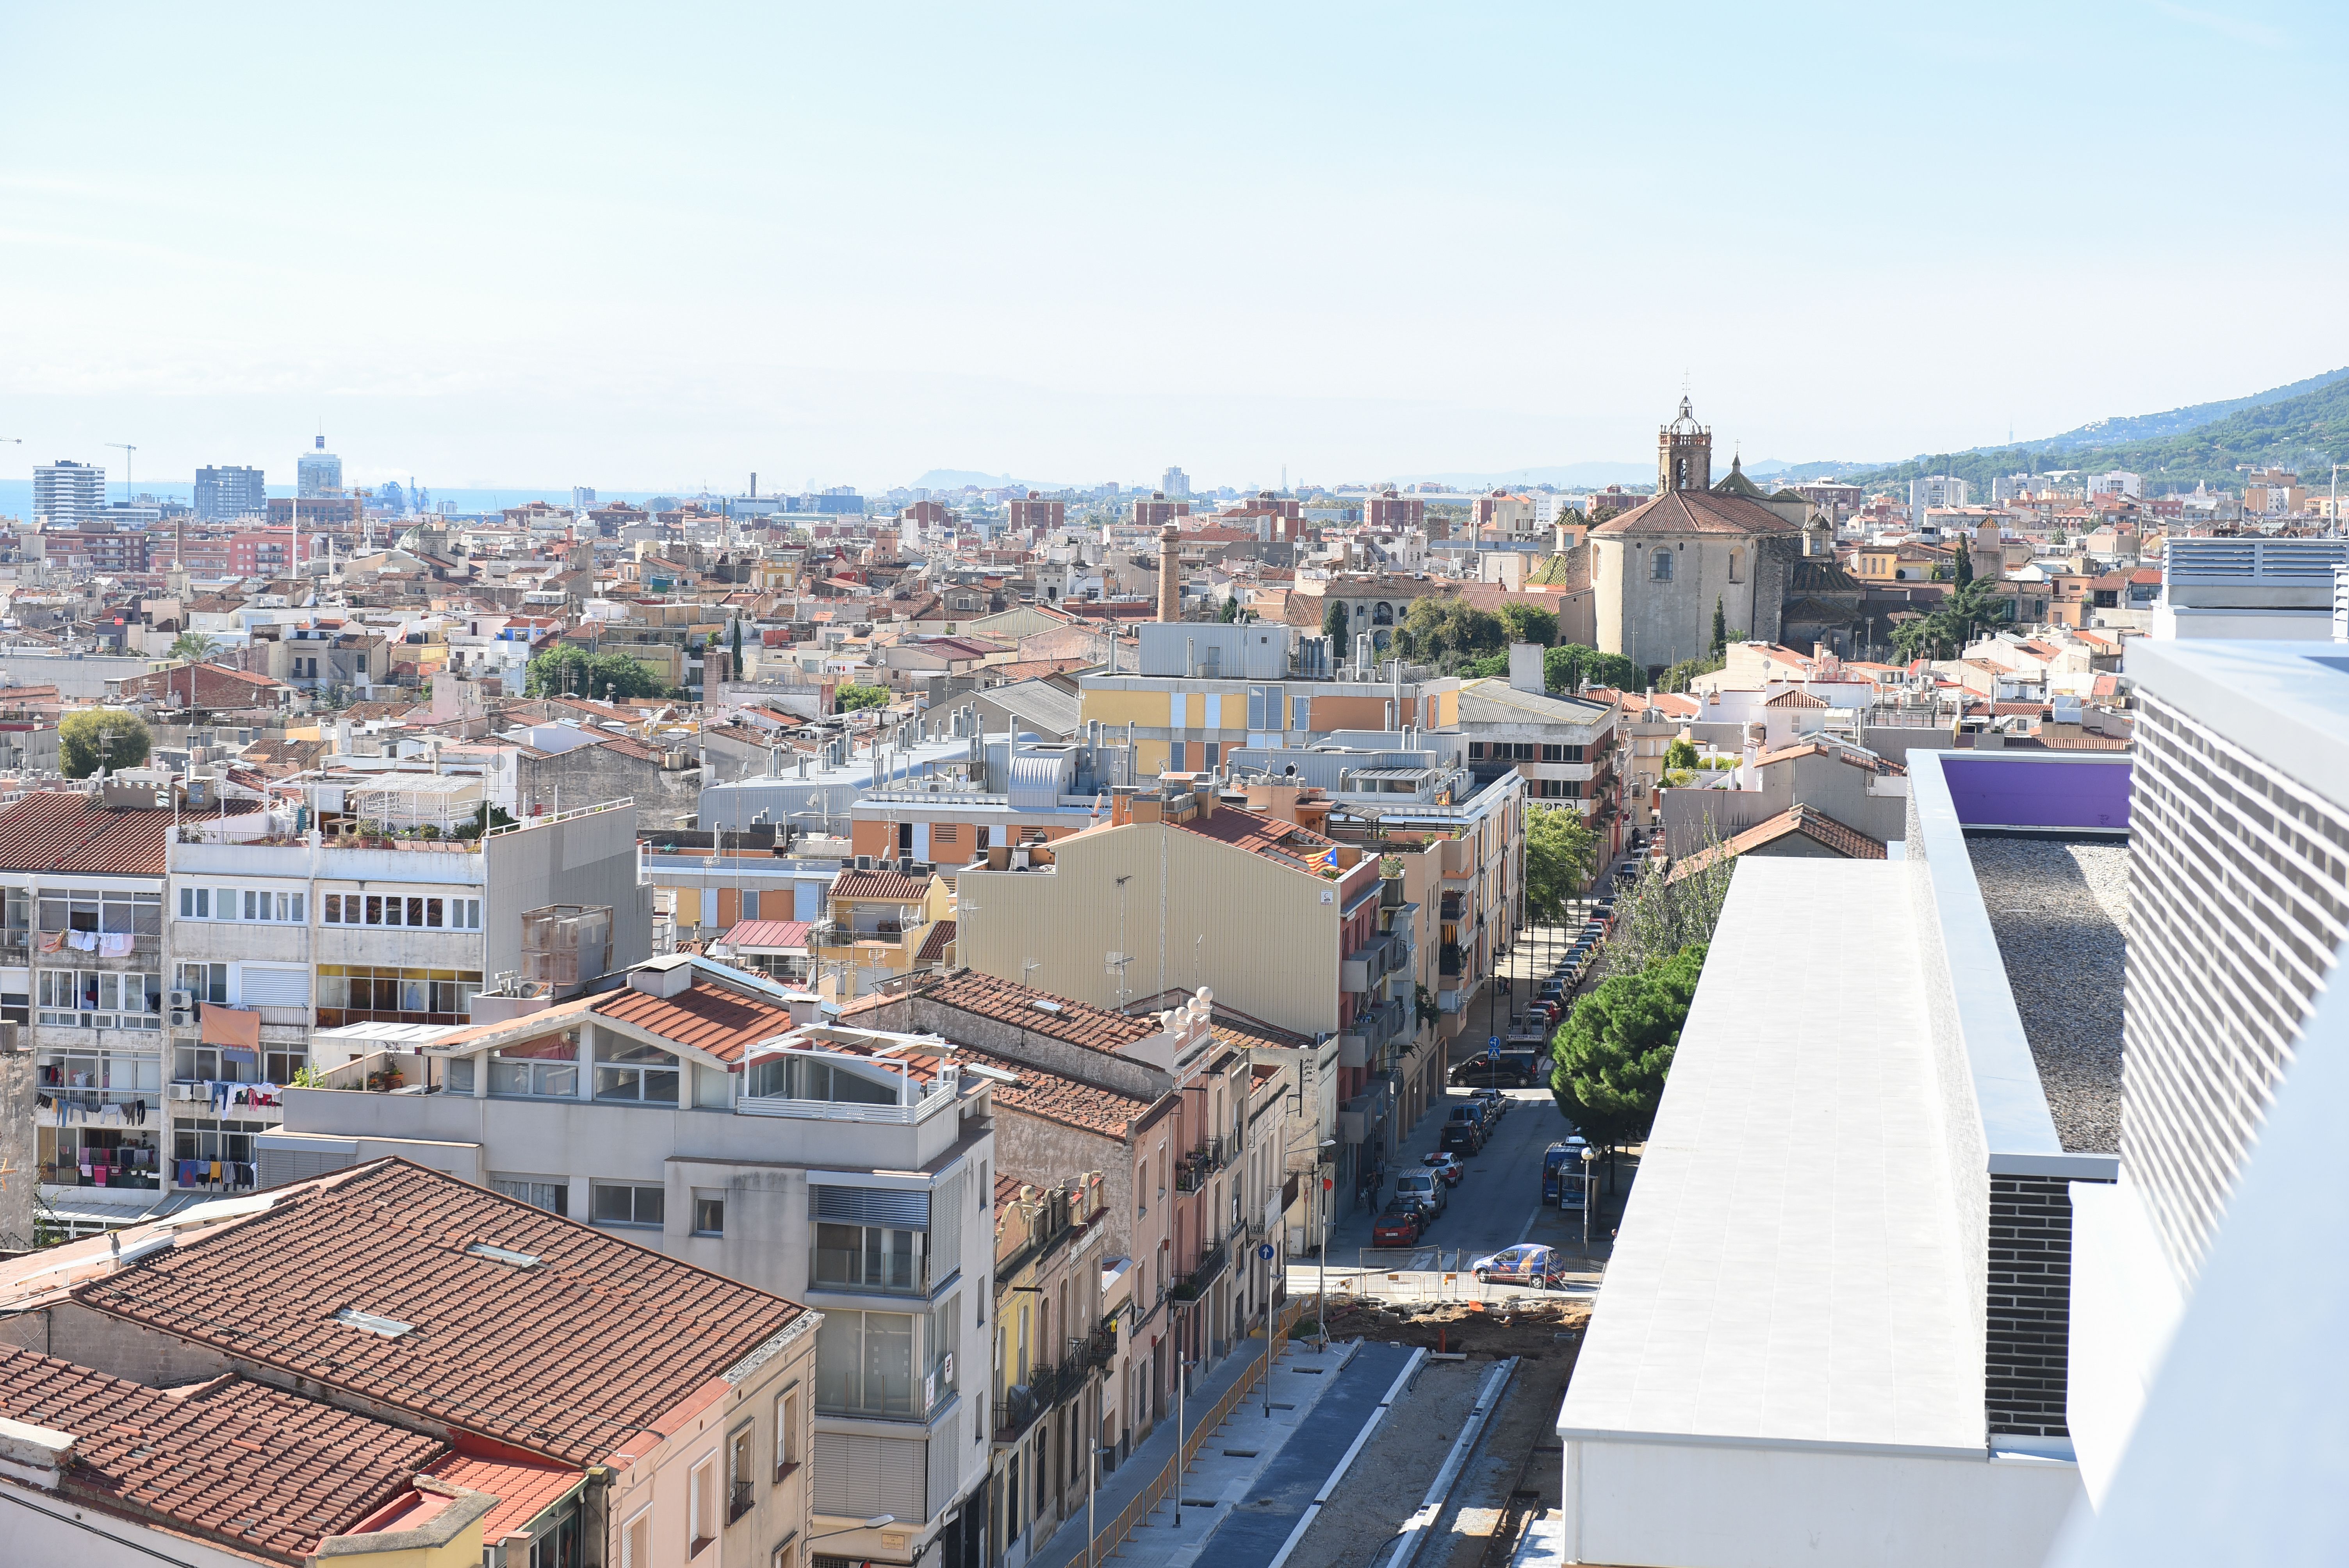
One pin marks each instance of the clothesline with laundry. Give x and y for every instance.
(105, 1113)
(213, 1172)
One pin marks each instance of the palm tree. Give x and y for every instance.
(192, 648)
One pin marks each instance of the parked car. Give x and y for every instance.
(1472, 1118)
(1493, 1099)
(1527, 1263)
(1398, 1226)
(1424, 1188)
(1457, 1138)
(1445, 1165)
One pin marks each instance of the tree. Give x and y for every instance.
(1611, 1055)
(1965, 562)
(1560, 852)
(1971, 609)
(1667, 909)
(108, 737)
(1231, 609)
(1680, 676)
(851, 698)
(1334, 626)
(572, 671)
(1720, 631)
(1527, 625)
(735, 669)
(192, 649)
(1450, 635)
(1680, 757)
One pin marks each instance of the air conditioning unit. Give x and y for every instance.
(187, 1091)
(180, 1001)
(181, 1019)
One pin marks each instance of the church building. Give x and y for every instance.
(1657, 571)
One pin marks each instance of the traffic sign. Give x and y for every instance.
(1263, 1251)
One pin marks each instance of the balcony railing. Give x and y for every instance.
(738, 1501)
(1023, 1403)
(1193, 1286)
(1192, 1170)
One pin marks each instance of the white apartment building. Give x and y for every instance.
(1936, 491)
(273, 941)
(2117, 482)
(703, 1112)
(65, 494)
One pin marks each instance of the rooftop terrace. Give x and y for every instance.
(2060, 913)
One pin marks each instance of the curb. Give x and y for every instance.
(1322, 1497)
(1439, 1491)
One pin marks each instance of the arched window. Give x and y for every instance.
(1383, 613)
(1663, 567)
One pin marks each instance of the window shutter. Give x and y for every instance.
(858, 1477)
(897, 1208)
(274, 985)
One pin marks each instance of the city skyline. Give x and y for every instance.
(1514, 253)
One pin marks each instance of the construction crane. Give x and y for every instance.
(127, 449)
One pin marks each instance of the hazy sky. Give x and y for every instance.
(643, 247)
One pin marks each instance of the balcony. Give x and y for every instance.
(1192, 1170)
(1212, 1265)
(1353, 1051)
(738, 1501)
(1024, 1404)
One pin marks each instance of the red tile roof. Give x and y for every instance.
(934, 946)
(1258, 835)
(231, 1461)
(769, 934)
(1046, 1094)
(1008, 1002)
(1796, 699)
(576, 1358)
(66, 831)
(1807, 821)
(704, 1016)
(524, 1486)
(854, 883)
(1696, 511)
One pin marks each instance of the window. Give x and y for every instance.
(702, 1498)
(1737, 566)
(787, 1431)
(708, 1214)
(545, 1068)
(539, 1191)
(796, 1076)
(385, 909)
(637, 1542)
(1476, 751)
(1561, 754)
(865, 1363)
(627, 1203)
(868, 1257)
(200, 1137)
(741, 1469)
(205, 982)
(102, 999)
(359, 993)
(1177, 758)
(628, 1071)
(195, 902)
(1662, 570)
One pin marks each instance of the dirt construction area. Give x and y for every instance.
(1512, 1477)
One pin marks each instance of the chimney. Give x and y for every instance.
(1526, 668)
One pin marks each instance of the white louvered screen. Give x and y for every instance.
(858, 1477)
(274, 985)
(898, 1208)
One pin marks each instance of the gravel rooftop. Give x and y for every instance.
(2059, 912)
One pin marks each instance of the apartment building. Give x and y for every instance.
(82, 973)
(274, 939)
(1052, 1353)
(1204, 689)
(701, 1112)
(881, 925)
(1186, 1114)
(1564, 748)
(380, 1366)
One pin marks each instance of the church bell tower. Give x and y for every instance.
(1683, 453)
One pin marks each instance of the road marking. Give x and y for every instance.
(1529, 1226)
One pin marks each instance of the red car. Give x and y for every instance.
(1398, 1227)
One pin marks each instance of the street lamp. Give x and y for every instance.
(877, 1522)
(1590, 1166)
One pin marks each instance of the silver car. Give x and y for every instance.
(1424, 1188)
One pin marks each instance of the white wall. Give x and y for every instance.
(1769, 1506)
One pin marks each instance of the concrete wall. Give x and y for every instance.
(589, 860)
(19, 1149)
(1835, 788)
(591, 775)
(1184, 905)
(1659, 624)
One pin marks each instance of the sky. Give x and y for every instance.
(663, 249)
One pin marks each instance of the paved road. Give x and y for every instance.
(1256, 1526)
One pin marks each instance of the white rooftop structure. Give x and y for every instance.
(1785, 1329)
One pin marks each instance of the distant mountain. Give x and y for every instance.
(2303, 426)
(955, 479)
(1565, 476)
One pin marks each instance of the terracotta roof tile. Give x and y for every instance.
(934, 946)
(1696, 511)
(854, 883)
(769, 934)
(1808, 821)
(1042, 1093)
(1006, 1001)
(524, 1486)
(1258, 835)
(574, 1358)
(65, 831)
(230, 1460)
(708, 1018)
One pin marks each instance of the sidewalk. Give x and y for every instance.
(1311, 1400)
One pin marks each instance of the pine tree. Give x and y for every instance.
(1720, 631)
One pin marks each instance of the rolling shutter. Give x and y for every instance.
(274, 985)
(858, 1477)
(897, 1208)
